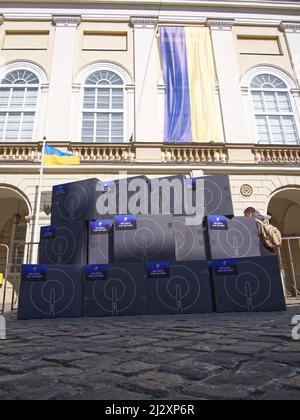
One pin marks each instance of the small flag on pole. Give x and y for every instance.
(55, 157)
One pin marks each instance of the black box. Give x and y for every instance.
(167, 195)
(64, 244)
(101, 246)
(214, 192)
(50, 292)
(75, 201)
(125, 196)
(114, 290)
(189, 239)
(143, 238)
(178, 288)
(248, 285)
(233, 238)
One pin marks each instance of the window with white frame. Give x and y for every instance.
(274, 114)
(19, 91)
(103, 108)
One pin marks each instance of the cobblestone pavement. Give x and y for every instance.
(233, 356)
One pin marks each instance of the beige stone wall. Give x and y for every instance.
(107, 49)
(264, 187)
(261, 52)
(26, 50)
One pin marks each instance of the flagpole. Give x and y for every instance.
(34, 255)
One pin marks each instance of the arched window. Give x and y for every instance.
(103, 108)
(19, 91)
(274, 114)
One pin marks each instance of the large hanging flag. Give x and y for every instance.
(55, 157)
(191, 108)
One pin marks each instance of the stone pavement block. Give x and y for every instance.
(191, 369)
(202, 391)
(270, 370)
(94, 364)
(29, 382)
(111, 393)
(281, 395)
(204, 347)
(93, 380)
(100, 348)
(166, 357)
(19, 366)
(133, 367)
(58, 372)
(67, 357)
(226, 360)
(173, 344)
(289, 358)
(291, 382)
(48, 392)
(248, 348)
(157, 384)
(293, 347)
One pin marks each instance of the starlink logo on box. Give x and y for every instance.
(48, 231)
(126, 222)
(101, 226)
(158, 270)
(218, 222)
(96, 272)
(224, 267)
(34, 272)
(60, 189)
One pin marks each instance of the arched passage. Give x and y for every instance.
(14, 210)
(284, 207)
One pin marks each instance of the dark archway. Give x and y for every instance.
(284, 207)
(14, 212)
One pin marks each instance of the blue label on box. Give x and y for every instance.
(224, 267)
(218, 222)
(60, 189)
(101, 226)
(158, 270)
(48, 232)
(126, 222)
(96, 272)
(34, 272)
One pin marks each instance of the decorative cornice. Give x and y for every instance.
(66, 21)
(295, 93)
(45, 87)
(290, 27)
(144, 21)
(220, 24)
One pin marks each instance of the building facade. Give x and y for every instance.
(91, 78)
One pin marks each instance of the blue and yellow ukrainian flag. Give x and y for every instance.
(55, 157)
(191, 107)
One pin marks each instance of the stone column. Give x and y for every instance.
(233, 110)
(292, 36)
(146, 78)
(60, 91)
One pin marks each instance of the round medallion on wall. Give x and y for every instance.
(246, 190)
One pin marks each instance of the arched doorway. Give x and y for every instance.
(285, 210)
(14, 212)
